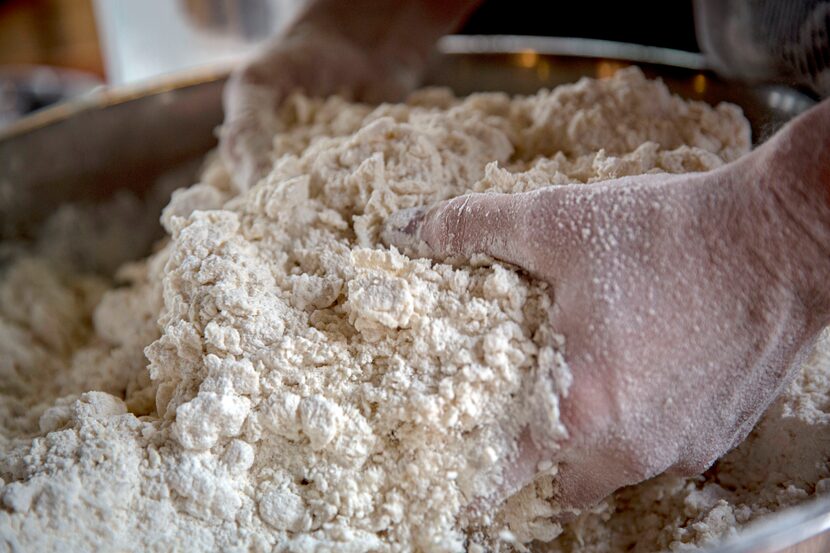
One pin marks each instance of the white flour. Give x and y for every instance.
(275, 379)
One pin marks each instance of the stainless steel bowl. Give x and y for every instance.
(126, 138)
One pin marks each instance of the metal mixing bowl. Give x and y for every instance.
(126, 138)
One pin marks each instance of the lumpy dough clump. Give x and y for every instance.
(273, 378)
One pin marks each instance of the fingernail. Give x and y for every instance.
(401, 228)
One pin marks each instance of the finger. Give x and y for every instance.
(490, 224)
(246, 136)
(245, 148)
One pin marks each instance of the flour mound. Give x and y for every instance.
(274, 378)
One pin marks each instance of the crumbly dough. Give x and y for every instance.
(274, 379)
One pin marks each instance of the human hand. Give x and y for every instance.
(686, 302)
(366, 50)
(304, 58)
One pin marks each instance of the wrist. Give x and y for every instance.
(391, 32)
(791, 173)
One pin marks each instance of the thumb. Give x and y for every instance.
(490, 224)
(245, 147)
(246, 136)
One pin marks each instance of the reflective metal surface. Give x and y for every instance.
(126, 138)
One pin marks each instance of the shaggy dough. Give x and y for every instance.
(273, 378)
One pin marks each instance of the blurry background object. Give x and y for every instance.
(60, 33)
(146, 38)
(768, 40)
(132, 40)
(48, 52)
(53, 50)
(26, 88)
(125, 41)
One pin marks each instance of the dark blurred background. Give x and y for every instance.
(59, 33)
(667, 23)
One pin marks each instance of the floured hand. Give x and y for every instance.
(305, 58)
(686, 302)
(363, 49)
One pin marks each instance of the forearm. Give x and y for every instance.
(803, 149)
(403, 30)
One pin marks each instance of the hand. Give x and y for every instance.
(366, 50)
(686, 302)
(304, 58)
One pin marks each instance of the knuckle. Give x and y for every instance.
(693, 465)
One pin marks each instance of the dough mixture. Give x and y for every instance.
(273, 378)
